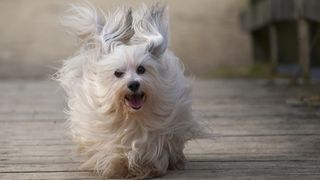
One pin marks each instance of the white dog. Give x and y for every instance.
(129, 101)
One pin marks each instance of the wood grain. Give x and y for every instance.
(256, 135)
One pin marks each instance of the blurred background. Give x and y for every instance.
(205, 34)
(264, 38)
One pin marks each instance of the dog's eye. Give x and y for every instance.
(118, 74)
(141, 70)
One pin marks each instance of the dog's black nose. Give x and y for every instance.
(134, 86)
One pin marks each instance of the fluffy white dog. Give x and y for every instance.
(129, 101)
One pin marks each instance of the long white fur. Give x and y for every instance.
(83, 21)
(118, 141)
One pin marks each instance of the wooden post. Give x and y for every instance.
(273, 38)
(303, 40)
(304, 48)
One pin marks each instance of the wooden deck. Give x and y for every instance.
(258, 135)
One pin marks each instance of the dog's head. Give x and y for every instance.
(126, 68)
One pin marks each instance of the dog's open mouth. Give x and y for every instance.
(135, 101)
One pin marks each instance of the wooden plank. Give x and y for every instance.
(311, 10)
(304, 48)
(221, 125)
(258, 110)
(273, 11)
(48, 175)
(283, 10)
(288, 147)
(190, 165)
(218, 170)
(223, 122)
(265, 12)
(255, 146)
(32, 117)
(273, 36)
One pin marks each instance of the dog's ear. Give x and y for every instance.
(151, 27)
(117, 29)
(83, 21)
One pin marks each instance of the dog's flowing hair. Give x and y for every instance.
(119, 140)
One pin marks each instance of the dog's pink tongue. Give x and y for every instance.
(135, 102)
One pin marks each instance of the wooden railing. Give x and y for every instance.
(264, 12)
